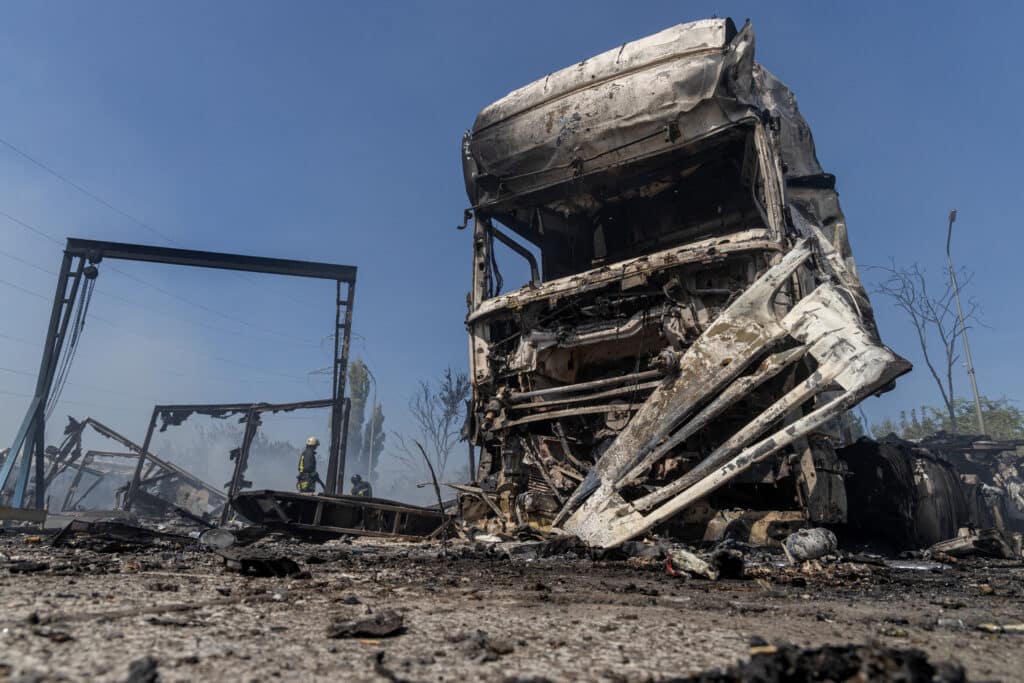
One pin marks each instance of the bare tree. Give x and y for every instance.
(934, 319)
(439, 410)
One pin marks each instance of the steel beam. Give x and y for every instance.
(95, 249)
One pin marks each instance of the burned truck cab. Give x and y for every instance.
(694, 326)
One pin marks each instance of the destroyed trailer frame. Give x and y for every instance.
(173, 415)
(158, 468)
(79, 263)
(89, 466)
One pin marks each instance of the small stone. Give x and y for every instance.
(162, 586)
(380, 625)
(500, 646)
(143, 670)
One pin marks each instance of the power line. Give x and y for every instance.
(148, 308)
(27, 263)
(91, 387)
(198, 323)
(82, 403)
(20, 341)
(92, 195)
(153, 339)
(23, 290)
(174, 372)
(31, 228)
(163, 291)
(87, 192)
(206, 308)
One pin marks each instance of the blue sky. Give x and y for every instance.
(330, 131)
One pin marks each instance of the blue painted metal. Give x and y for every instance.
(19, 440)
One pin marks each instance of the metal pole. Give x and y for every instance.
(252, 424)
(340, 481)
(331, 484)
(133, 488)
(963, 327)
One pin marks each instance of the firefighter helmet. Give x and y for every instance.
(313, 441)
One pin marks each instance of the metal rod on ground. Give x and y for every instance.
(963, 327)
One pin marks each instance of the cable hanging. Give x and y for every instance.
(85, 297)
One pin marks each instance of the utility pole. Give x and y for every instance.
(963, 327)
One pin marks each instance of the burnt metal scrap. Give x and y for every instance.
(700, 327)
(164, 484)
(952, 494)
(250, 415)
(319, 517)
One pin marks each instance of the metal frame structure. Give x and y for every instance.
(70, 453)
(79, 264)
(177, 413)
(321, 517)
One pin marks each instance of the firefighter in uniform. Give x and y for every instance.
(308, 477)
(360, 487)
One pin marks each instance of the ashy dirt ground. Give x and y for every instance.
(88, 613)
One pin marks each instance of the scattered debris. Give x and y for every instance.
(974, 542)
(113, 536)
(25, 566)
(22, 515)
(217, 539)
(809, 544)
(254, 562)
(56, 635)
(682, 561)
(143, 670)
(729, 563)
(1015, 629)
(383, 624)
(322, 517)
(478, 642)
(162, 586)
(771, 663)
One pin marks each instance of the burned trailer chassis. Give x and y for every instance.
(251, 416)
(321, 517)
(150, 468)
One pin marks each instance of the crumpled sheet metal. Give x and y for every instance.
(825, 323)
(644, 98)
(603, 110)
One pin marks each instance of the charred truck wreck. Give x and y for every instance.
(695, 329)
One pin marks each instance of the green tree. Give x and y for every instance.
(1003, 419)
(373, 441)
(365, 439)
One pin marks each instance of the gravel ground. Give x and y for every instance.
(82, 613)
